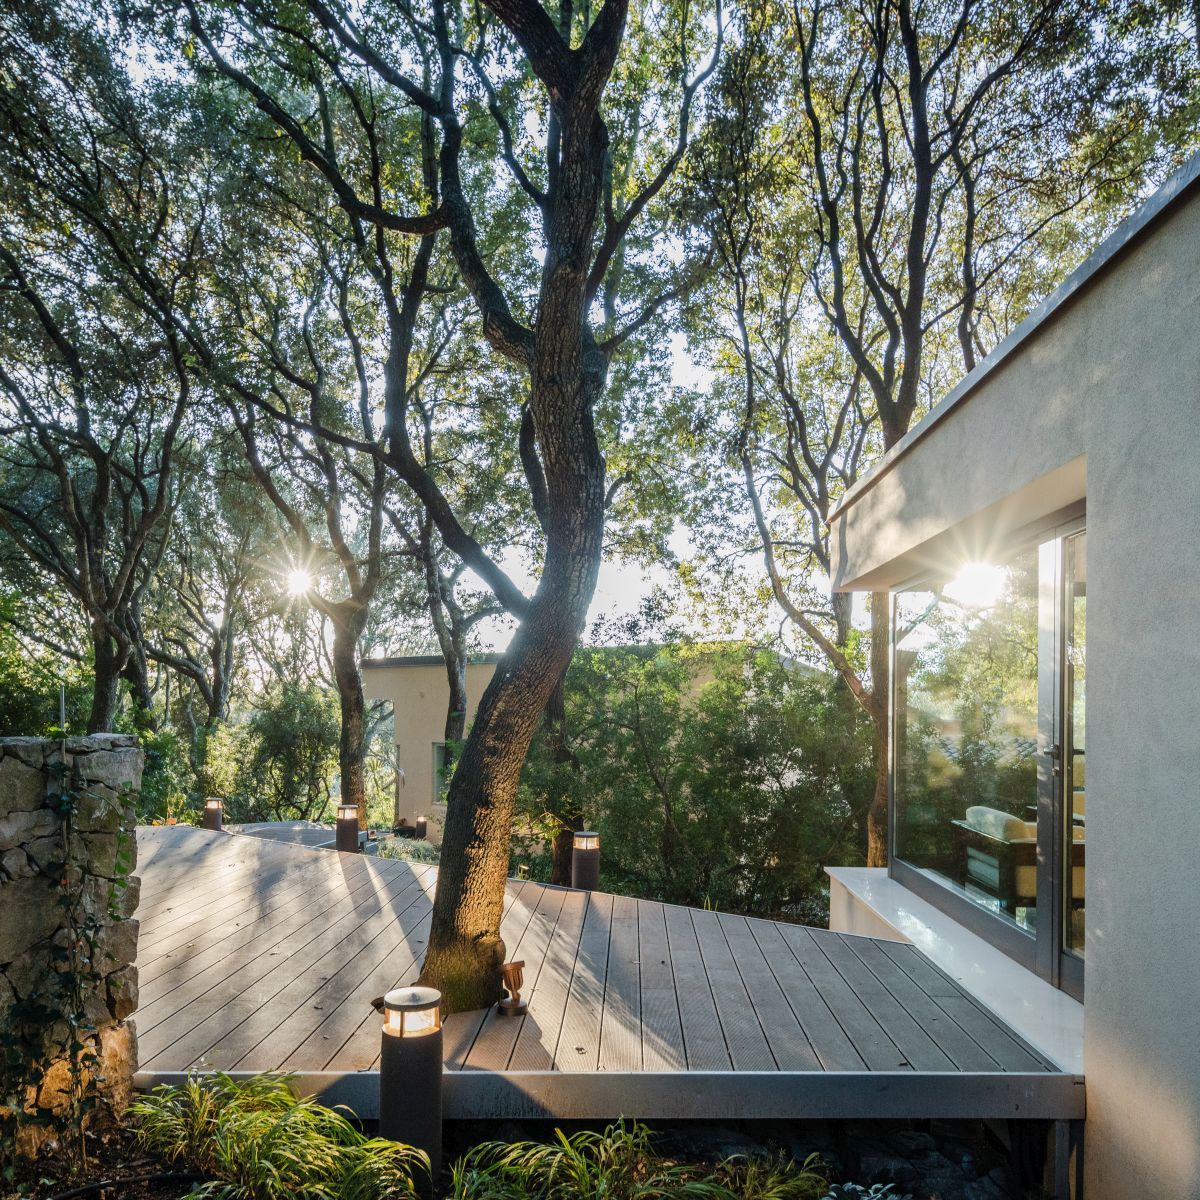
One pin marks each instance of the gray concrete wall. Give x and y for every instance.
(1104, 398)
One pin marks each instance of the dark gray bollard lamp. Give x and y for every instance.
(410, 1072)
(214, 813)
(347, 828)
(585, 860)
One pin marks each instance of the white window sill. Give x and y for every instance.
(864, 900)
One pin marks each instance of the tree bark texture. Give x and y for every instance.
(108, 661)
(567, 376)
(348, 677)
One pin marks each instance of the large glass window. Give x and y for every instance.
(989, 791)
(966, 730)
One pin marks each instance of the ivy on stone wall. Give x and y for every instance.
(75, 982)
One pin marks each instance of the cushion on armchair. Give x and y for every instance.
(1001, 825)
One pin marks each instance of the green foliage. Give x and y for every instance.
(619, 1164)
(256, 1141)
(716, 775)
(167, 779)
(279, 765)
(410, 850)
(29, 682)
(856, 1191)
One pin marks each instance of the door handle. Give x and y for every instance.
(1054, 753)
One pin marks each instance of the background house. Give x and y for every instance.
(418, 690)
(1040, 533)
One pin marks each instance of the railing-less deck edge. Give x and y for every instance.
(710, 1095)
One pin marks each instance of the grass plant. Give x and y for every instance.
(256, 1141)
(619, 1164)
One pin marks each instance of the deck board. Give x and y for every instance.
(261, 956)
(498, 1031)
(621, 1022)
(537, 1039)
(579, 1038)
(662, 1032)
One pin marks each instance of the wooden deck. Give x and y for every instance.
(260, 956)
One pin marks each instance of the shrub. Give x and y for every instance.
(856, 1191)
(279, 765)
(410, 850)
(167, 778)
(256, 1141)
(619, 1164)
(718, 775)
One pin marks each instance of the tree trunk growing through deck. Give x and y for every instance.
(465, 948)
(566, 360)
(567, 375)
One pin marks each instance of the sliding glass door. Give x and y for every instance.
(988, 804)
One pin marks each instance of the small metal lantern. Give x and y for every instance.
(347, 828)
(214, 812)
(410, 1072)
(422, 828)
(513, 974)
(585, 860)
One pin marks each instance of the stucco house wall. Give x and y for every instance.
(419, 693)
(1101, 399)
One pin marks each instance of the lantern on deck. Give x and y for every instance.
(214, 812)
(347, 828)
(410, 1072)
(585, 860)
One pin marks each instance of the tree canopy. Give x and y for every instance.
(331, 327)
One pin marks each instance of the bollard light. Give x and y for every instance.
(585, 860)
(347, 828)
(410, 1072)
(422, 827)
(214, 813)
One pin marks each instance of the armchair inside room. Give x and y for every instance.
(996, 855)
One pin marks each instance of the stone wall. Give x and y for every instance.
(68, 938)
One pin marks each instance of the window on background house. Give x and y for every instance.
(441, 782)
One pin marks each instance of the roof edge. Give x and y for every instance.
(427, 660)
(1121, 241)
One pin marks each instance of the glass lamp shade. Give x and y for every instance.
(587, 840)
(347, 811)
(213, 804)
(412, 1012)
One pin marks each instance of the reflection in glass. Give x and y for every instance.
(1075, 782)
(966, 713)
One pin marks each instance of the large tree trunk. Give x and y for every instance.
(465, 948)
(350, 695)
(108, 660)
(136, 673)
(877, 815)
